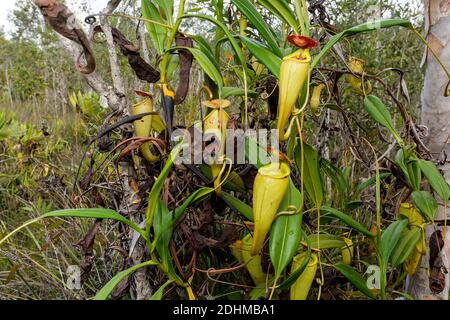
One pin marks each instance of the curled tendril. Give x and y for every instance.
(98, 37)
(91, 19)
(291, 210)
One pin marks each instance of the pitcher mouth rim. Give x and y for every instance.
(301, 55)
(217, 103)
(302, 42)
(275, 170)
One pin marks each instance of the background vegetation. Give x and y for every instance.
(48, 115)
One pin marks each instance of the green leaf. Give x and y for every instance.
(167, 7)
(415, 174)
(325, 241)
(255, 154)
(204, 46)
(378, 111)
(435, 179)
(157, 33)
(370, 182)
(311, 174)
(159, 293)
(205, 63)
(405, 246)
(236, 92)
(400, 161)
(104, 293)
(233, 182)
(162, 226)
(238, 206)
(264, 55)
(289, 281)
(153, 197)
(233, 42)
(352, 205)
(286, 232)
(365, 27)
(174, 62)
(266, 32)
(97, 213)
(193, 199)
(337, 177)
(355, 279)
(281, 9)
(390, 238)
(349, 221)
(426, 204)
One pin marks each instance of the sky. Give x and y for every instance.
(7, 6)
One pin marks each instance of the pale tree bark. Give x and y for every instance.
(436, 116)
(143, 43)
(115, 97)
(138, 253)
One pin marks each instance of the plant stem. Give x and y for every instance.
(439, 61)
(173, 33)
(382, 264)
(302, 13)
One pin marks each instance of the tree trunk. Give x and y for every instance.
(432, 283)
(115, 97)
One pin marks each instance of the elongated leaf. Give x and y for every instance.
(325, 241)
(238, 206)
(426, 204)
(415, 174)
(167, 7)
(254, 153)
(378, 111)
(248, 9)
(193, 199)
(104, 293)
(349, 221)
(405, 246)
(435, 179)
(311, 174)
(233, 182)
(400, 161)
(162, 226)
(159, 293)
(289, 281)
(352, 205)
(355, 279)
(336, 176)
(204, 46)
(236, 92)
(174, 62)
(264, 55)
(153, 197)
(365, 27)
(96, 213)
(227, 32)
(205, 63)
(282, 11)
(286, 232)
(390, 238)
(157, 33)
(370, 182)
